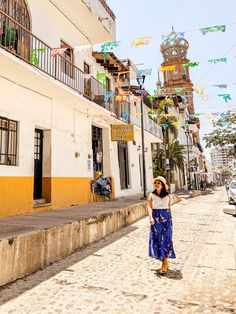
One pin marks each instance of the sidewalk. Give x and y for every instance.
(30, 242)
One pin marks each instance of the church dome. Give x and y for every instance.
(174, 46)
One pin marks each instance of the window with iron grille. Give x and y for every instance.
(8, 142)
(17, 9)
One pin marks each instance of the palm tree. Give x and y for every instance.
(176, 155)
(176, 159)
(169, 119)
(158, 161)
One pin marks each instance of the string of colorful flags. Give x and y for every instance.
(193, 64)
(121, 97)
(109, 46)
(172, 37)
(137, 42)
(180, 120)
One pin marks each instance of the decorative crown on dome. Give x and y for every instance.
(174, 46)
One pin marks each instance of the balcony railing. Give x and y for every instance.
(20, 42)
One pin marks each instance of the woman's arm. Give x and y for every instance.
(149, 209)
(169, 204)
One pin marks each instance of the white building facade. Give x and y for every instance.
(220, 157)
(55, 126)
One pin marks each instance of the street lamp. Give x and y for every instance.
(187, 133)
(140, 80)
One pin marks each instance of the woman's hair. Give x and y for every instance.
(163, 193)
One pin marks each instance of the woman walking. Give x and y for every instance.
(160, 242)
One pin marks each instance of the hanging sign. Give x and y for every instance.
(122, 132)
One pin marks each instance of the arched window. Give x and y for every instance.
(12, 36)
(16, 9)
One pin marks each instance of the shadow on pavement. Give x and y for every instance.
(171, 274)
(22, 285)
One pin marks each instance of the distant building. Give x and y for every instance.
(220, 157)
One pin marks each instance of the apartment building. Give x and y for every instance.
(220, 157)
(55, 116)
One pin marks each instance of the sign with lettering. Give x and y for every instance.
(122, 132)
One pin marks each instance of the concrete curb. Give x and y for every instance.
(29, 252)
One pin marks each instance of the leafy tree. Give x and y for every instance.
(224, 133)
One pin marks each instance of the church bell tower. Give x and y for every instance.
(174, 50)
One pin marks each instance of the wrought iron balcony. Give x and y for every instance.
(20, 42)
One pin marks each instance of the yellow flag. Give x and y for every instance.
(167, 68)
(141, 41)
(198, 89)
(208, 116)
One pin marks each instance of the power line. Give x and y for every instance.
(227, 51)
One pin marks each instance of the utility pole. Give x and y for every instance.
(140, 81)
(189, 175)
(167, 149)
(143, 151)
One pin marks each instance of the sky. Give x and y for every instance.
(137, 18)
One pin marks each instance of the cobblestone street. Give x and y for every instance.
(115, 275)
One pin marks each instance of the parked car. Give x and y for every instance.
(231, 210)
(232, 192)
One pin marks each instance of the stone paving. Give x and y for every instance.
(115, 275)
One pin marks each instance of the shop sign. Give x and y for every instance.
(122, 132)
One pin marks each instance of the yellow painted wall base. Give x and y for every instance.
(70, 191)
(16, 194)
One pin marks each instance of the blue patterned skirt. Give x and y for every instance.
(160, 241)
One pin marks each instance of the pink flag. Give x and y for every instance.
(57, 51)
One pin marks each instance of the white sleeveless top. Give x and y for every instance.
(158, 202)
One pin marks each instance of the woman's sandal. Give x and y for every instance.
(164, 267)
